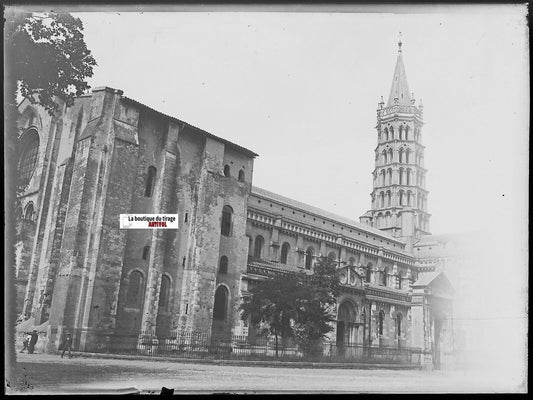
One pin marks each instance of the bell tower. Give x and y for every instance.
(399, 196)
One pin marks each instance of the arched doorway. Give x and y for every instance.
(346, 326)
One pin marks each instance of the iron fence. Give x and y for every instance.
(197, 345)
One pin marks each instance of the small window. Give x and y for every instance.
(285, 252)
(227, 171)
(309, 258)
(221, 304)
(381, 320)
(399, 325)
(227, 213)
(258, 246)
(368, 272)
(223, 265)
(28, 213)
(241, 176)
(146, 252)
(29, 145)
(164, 293)
(150, 181)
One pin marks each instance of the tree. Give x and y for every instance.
(299, 306)
(45, 56)
(316, 299)
(272, 307)
(49, 58)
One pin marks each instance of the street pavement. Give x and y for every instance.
(47, 374)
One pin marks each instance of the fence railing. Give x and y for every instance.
(197, 345)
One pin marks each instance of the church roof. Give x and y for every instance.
(399, 88)
(324, 214)
(425, 279)
(244, 150)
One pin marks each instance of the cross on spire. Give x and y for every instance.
(399, 42)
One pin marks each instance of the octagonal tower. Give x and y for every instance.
(399, 196)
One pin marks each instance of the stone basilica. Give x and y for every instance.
(108, 154)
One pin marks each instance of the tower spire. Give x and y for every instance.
(399, 42)
(399, 93)
(399, 195)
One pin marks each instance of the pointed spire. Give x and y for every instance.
(399, 93)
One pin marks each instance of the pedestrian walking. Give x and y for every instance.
(33, 341)
(67, 344)
(25, 343)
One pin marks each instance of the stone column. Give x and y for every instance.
(43, 208)
(274, 241)
(322, 249)
(157, 256)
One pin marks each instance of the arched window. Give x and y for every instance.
(409, 198)
(389, 173)
(258, 246)
(382, 177)
(29, 145)
(406, 133)
(386, 136)
(309, 258)
(285, 252)
(135, 289)
(78, 124)
(146, 252)
(408, 176)
(225, 228)
(384, 156)
(401, 176)
(368, 272)
(164, 293)
(401, 197)
(332, 256)
(384, 274)
(382, 197)
(223, 265)
(221, 303)
(381, 319)
(399, 325)
(388, 199)
(400, 155)
(407, 152)
(28, 213)
(380, 221)
(241, 176)
(390, 156)
(401, 132)
(227, 171)
(150, 181)
(391, 133)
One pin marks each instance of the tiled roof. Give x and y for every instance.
(426, 278)
(322, 213)
(205, 133)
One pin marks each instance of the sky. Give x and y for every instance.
(301, 90)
